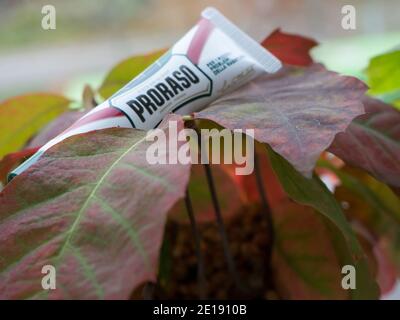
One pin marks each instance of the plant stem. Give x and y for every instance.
(217, 209)
(266, 209)
(201, 278)
(221, 227)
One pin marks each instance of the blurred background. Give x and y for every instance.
(93, 35)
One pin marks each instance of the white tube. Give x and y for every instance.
(212, 59)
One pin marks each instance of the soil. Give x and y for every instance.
(249, 244)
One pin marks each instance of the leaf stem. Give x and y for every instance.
(266, 210)
(201, 278)
(217, 209)
(221, 227)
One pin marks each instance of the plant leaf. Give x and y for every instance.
(23, 116)
(297, 111)
(125, 71)
(88, 98)
(374, 194)
(384, 73)
(95, 209)
(312, 192)
(382, 233)
(375, 208)
(304, 262)
(56, 127)
(289, 48)
(372, 142)
(387, 269)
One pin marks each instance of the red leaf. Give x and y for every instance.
(95, 209)
(372, 142)
(304, 262)
(289, 48)
(297, 111)
(12, 160)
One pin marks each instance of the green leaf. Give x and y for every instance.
(375, 194)
(23, 116)
(125, 71)
(312, 192)
(384, 73)
(95, 209)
